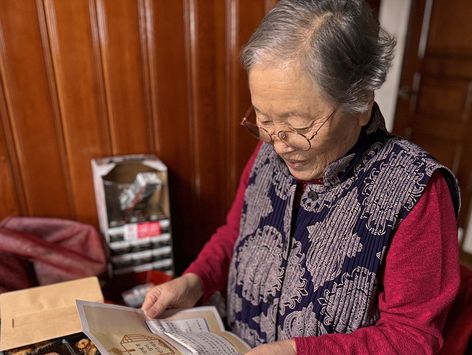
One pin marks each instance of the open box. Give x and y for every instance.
(130, 189)
(132, 197)
(43, 313)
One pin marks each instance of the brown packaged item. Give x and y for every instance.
(44, 313)
(76, 344)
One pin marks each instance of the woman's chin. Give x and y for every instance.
(303, 174)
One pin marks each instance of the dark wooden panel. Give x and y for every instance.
(439, 127)
(446, 36)
(36, 139)
(447, 152)
(168, 82)
(205, 70)
(450, 66)
(244, 17)
(200, 139)
(168, 92)
(119, 33)
(440, 97)
(207, 100)
(9, 204)
(81, 100)
(441, 118)
(411, 63)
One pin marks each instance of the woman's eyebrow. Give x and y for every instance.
(287, 114)
(258, 111)
(297, 114)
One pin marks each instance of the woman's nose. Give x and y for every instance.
(280, 146)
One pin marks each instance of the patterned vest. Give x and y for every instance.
(319, 272)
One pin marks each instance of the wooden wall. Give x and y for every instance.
(88, 78)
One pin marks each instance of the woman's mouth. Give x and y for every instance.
(295, 164)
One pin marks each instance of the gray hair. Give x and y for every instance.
(338, 42)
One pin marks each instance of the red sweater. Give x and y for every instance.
(420, 280)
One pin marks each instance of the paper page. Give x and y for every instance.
(177, 325)
(241, 346)
(174, 326)
(205, 343)
(120, 330)
(117, 330)
(208, 313)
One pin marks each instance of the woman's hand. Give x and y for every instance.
(183, 291)
(283, 347)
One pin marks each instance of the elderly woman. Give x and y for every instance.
(342, 238)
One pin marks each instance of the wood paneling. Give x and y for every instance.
(450, 28)
(87, 78)
(243, 17)
(119, 24)
(29, 117)
(8, 198)
(78, 76)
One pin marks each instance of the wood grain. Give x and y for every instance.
(121, 58)
(80, 95)
(35, 138)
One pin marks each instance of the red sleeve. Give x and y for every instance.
(212, 264)
(421, 279)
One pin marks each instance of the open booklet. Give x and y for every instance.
(119, 330)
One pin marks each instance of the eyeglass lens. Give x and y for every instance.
(290, 138)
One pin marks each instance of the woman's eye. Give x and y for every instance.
(302, 130)
(265, 123)
(301, 126)
(299, 123)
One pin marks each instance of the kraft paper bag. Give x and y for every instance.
(46, 312)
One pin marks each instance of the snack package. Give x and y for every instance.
(76, 344)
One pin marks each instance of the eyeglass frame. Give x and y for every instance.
(292, 130)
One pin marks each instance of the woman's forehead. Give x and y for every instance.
(285, 91)
(287, 113)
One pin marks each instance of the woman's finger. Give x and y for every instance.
(155, 303)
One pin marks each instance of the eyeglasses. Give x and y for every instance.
(290, 137)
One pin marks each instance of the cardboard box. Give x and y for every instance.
(132, 197)
(118, 190)
(46, 312)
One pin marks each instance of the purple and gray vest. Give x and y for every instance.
(318, 271)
